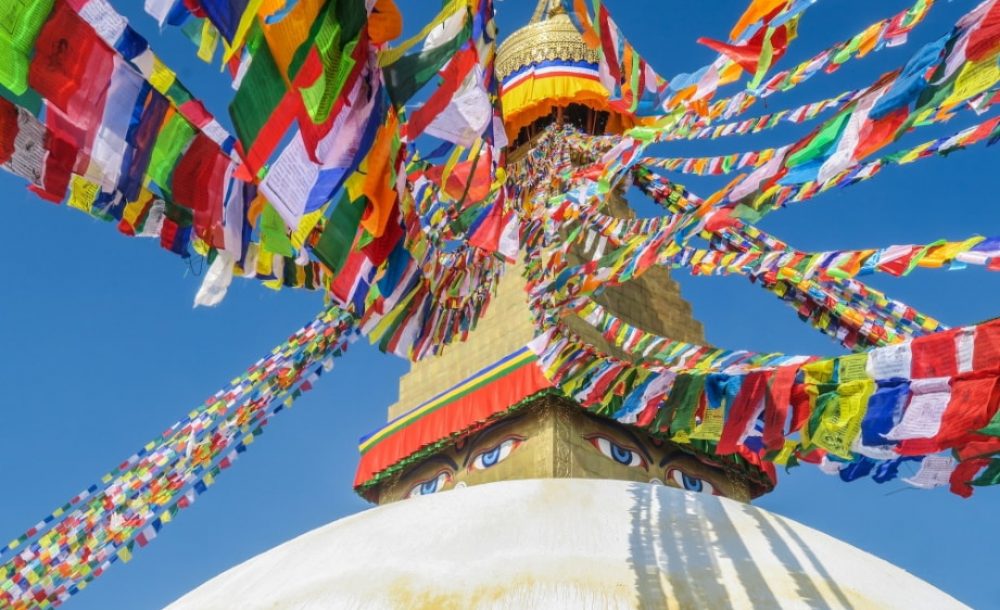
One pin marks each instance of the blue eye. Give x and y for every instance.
(689, 483)
(492, 457)
(430, 486)
(621, 454)
(614, 451)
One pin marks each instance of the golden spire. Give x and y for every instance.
(550, 35)
(546, 9)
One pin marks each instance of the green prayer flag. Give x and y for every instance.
(182, 216)
(824, 139)
(179, 94)
(260, 92)
(990, 476)
(20, 23)
(665, 415)
(687, 392)
(826, 398)
(171, 142)
(465, 219)
(335, 242)
(635, 71)
(411, 72)
(274, 233)
(335, 42)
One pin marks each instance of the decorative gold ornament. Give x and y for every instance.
(555, 38)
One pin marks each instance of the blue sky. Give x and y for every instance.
(103, 348)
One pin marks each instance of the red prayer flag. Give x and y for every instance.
(964, 473)
(8, 130)
(72, 66)
(198, 184)
(984, 41)
(742, 412)
(986, 352)
(934, 356)
(777, 400)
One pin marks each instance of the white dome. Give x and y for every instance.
(565, 543)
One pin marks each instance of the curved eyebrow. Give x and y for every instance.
(475, 438)
(670, 457)
(441, 458)
(638, 443)
(680, 453)
(605, 424)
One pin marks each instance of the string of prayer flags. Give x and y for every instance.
(131, 504)
(859, 414)
(801, 114)
(405, 209)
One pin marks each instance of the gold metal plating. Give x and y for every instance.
(553, 39)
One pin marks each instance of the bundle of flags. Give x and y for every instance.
(932, 401)
(376, 171)
(129, 506)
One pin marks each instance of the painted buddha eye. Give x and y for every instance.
(500, 452)
(430, 486)
(626, 456)
(685, 481)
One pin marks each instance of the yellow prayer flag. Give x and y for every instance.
(710, 428)
(306, 225)
(134, 209)
(82, 193)
(450, 164)
(852, 367)
(681, 437)
(249, 16)
(786, 452)
(973, 79)
(162, 78)
(840, 423)
(820, 371)
(209, 42)
(942, 254)
(356, 182)
(124, 554)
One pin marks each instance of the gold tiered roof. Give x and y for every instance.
(530, 101)
(548, 38)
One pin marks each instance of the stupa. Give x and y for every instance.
(498, 492)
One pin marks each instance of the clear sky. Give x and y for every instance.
(103, 349)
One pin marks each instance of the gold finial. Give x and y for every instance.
(547, 9)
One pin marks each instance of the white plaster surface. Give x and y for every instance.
(565, 543)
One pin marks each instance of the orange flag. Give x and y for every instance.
(385, 22)
(378, 185)
(757, 10)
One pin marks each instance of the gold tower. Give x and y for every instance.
(546, 435)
